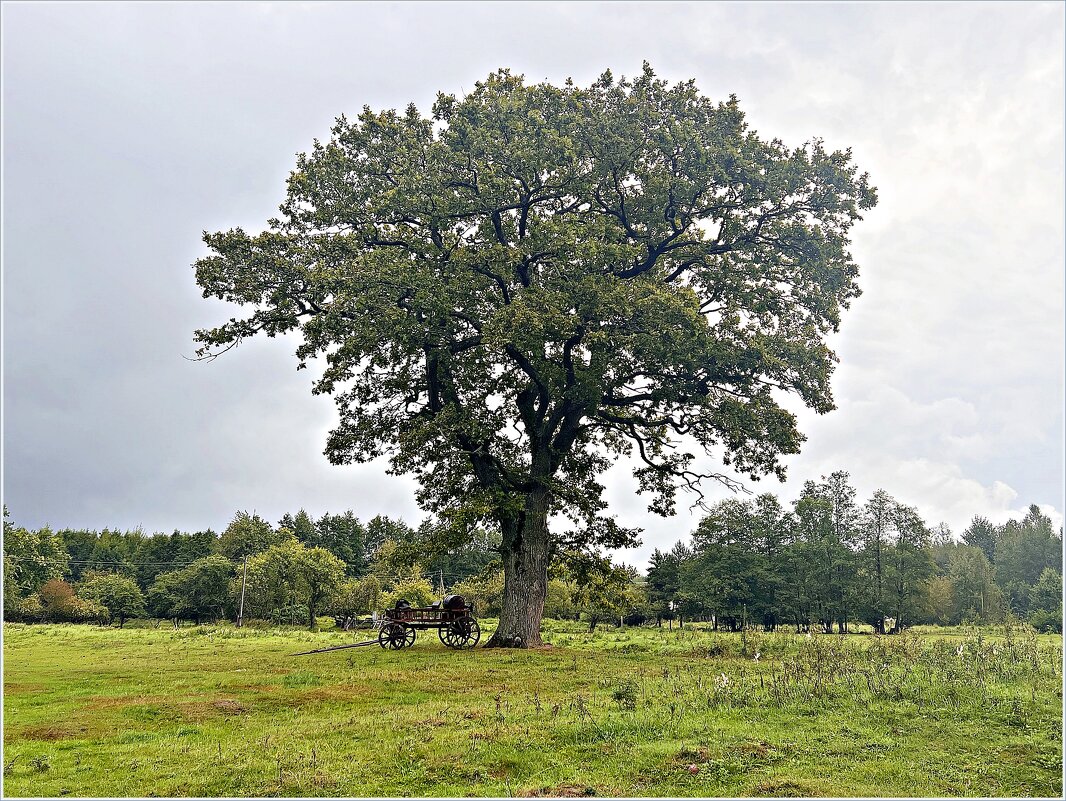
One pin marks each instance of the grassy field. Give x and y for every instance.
(216, 711)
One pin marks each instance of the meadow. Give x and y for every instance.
(220, 711)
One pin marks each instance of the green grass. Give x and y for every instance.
(216, 711)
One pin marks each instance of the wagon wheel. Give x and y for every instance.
(395, 636)
(461, 633)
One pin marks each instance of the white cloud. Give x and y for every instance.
(950, 384)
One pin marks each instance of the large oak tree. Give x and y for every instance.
(536, 280)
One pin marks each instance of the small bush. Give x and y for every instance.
(1046, 622)
(625, 695)
(31, 610)
(293, 614)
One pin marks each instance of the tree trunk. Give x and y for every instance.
(525, 574)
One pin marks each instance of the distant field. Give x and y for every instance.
(216, 711)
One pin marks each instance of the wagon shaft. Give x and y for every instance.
(337, 648)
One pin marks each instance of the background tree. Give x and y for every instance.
(912, 563)
(1023, 549)
(355, 597)
(320, 573)
(876, 531)
(346, 538)
(31, 558)
(456, 554)
(602, 591)
(974, 592)
(982, 534)
(726, 570)
(560, 599)
(273, 578)
(79, 545)
(381, 529)
(484, 591)
(248, 534)
(199, 591)
(664, 580)
(290, 575)
(1045, 602)
(539, 279)
(416, 591)
(119, 595)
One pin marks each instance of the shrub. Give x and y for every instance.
(290, 614)
(1046, 622)
(418, 592)
(484, 592)
(31, 610)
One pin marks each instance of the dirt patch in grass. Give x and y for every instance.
(783, 788)
(16, 688)
(561, 791)
(317, 695)
(202, 710)
(45, 732)
(119, 701)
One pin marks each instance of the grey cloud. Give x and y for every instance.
(129, 129)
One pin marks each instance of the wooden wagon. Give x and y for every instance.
(452, 618)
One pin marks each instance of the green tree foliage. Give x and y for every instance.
(345, 537)
(356, 597)
(116, 552)
(726, 571)
(828, 562)
(912, 564)
(416, 591)
(118, 594)
(302, 527)
(974, 592)
(537, 279)
(454, 553)
(247, 535)
(874, 563)
(272, 579)
(79, 546)
(1023, 549)
(664, 580)
(382, 529)
(199, 591)
(320, 574)
(982, 534)
(604, 592)
(829, 526)
(1045, 602)
(484, 592)
(30, 559)
(290, 574)
(59, 604)
(560, 600)
(395, 561)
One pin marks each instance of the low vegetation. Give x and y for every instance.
(220, 711)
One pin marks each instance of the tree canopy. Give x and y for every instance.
(535, 280)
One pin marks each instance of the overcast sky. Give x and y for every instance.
(129, 129)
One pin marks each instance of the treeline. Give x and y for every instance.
(296, 570)
(827, 562)
(830, 561)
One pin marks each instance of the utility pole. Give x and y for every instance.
(244, 581)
